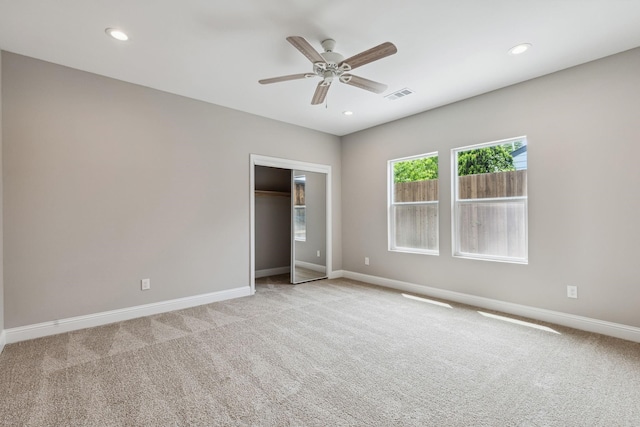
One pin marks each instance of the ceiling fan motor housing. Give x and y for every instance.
(332, 58)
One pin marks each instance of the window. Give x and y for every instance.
(490, 201)
(413, 204)
(299, 209)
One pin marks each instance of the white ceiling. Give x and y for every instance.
(217, 50)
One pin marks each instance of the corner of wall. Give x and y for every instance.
(2, 334)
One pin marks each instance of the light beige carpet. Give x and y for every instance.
(325, 353)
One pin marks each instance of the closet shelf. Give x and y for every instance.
(272, 193)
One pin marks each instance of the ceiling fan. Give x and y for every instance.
(330, 65)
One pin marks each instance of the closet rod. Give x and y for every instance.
(272, 193)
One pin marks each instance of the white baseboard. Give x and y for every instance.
(311, 266)
(272, 271)
(28, 332)
(577, 322)
(336, 274)
(3, 340)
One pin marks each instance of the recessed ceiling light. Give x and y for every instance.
(521, 48)
(347, 113)
(117, 34)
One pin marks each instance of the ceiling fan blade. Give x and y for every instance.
(320, 94)
(363, 83)
(285, 78)
(307, 50)
(381, 51)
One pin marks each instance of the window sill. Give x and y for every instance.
(493, 259)
(414, 251)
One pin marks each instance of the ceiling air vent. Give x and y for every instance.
(399, 94)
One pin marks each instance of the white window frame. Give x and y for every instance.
(455, 235)
(391, 220)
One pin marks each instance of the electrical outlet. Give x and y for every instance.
(318, 253)
(145, 284)
(572, 292)
(366, 260)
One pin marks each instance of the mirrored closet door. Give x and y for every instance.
(308, 226)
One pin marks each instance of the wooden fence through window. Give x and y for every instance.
(489, 185)
(489, 228)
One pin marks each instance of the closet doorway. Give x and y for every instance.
(290, 219)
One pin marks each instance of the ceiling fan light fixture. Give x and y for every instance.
(348, 113)
(117, 34)
(521, 48)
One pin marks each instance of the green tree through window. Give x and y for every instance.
(416, 170)
(492, 159)
(480, 160)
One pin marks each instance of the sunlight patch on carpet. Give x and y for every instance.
(430, 301)
(519, 322)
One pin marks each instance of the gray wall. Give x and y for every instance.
(583, 127)
(273, 219)
(107, 183)
(1, 209)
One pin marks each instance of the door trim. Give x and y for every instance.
(276, 162)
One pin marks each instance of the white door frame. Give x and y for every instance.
(275, 162)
